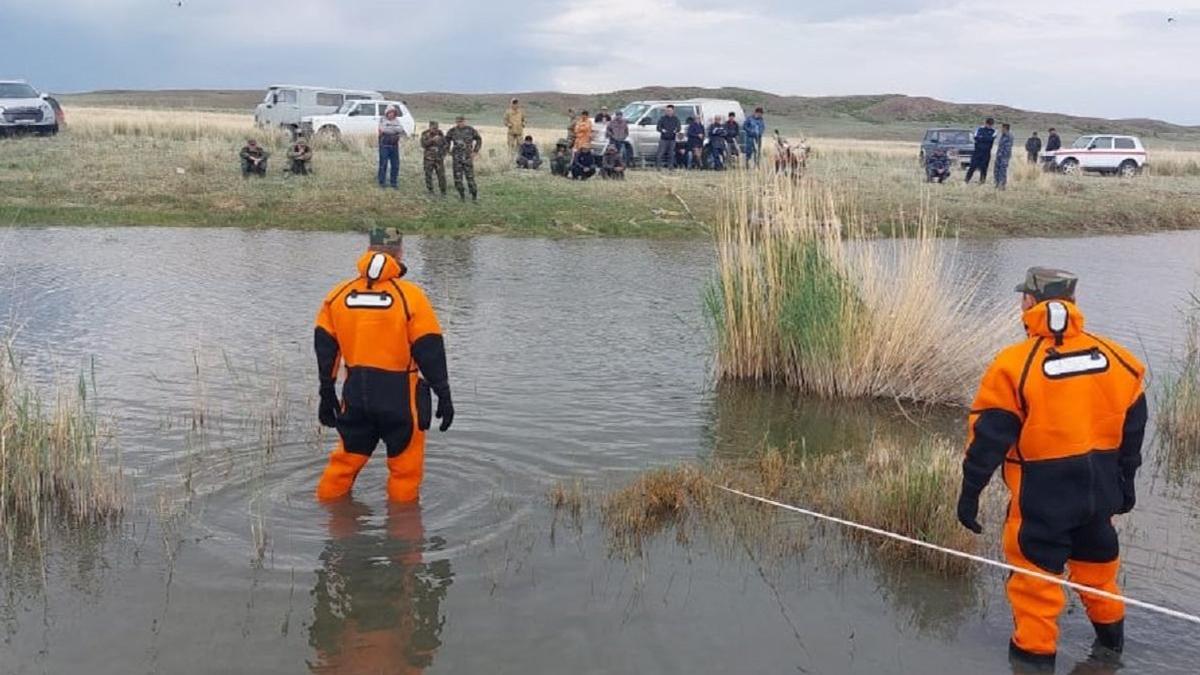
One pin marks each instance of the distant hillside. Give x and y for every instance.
(883, 116)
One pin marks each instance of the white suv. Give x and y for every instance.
(1102, 153)
(356, 118)
(22, 108)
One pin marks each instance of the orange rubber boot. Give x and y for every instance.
(406, 470)
(339, 474)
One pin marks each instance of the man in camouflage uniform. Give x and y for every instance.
(514, 119)
(433, 142)
(1003, 156)
(465, 143)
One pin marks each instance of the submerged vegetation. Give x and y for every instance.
(1179, 399)
(908, 491)
(802, 300)
(55, 468)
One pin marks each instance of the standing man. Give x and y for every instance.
(583, 132)
(390, 132)
(433, 145)
(716, 143)
(733, 133)
(514, 119)
(254, 159)
(618, 135)
(1003, 156)
(694, 143)
(465, 143)
(1064, 412)
(1033, 147)
(603, 117)
(1053, 142)
(755, 127)
(570, 127)
(668, 131)
(985, 136)
(384, 331)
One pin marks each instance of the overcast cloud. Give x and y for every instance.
(1112, 58)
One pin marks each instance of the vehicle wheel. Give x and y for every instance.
(1070, 167)
(330, 133)
(1128, 169)
(921, 158)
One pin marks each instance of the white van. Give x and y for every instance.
(286, 105)
(643, 119)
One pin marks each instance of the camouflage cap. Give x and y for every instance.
(386, 236)
(1045, 283)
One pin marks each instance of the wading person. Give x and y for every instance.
(754, 127)
(1033, 147)
(528, 156)
(433, 147)
(254, 159)
(391, 130)
(1064, 413)
(514, 120)
(1003, 156)
(668, 132)
(300, 158)
(985, 136)
(382, 328)
(617, 133)
(465, 143)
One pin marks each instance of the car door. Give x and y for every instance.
(363, 119)
(1099, 155)
(644, 134)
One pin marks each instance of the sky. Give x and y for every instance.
(1107, 58)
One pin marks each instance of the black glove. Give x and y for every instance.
(968, 511)
(445, 408)
(327, 412)
(1128, 495)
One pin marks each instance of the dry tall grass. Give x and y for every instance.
(1179, 400)
(807, 298)
(54, 468)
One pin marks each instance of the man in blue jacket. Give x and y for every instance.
(754, 127)
(668, 131)
(982, 157)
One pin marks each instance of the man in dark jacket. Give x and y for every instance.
(985, 136)
(617, 132)
(733, 135)
(1033, 146)
(694, 143)
(668, 131)
(528, 156)
(1053, 142)
(584, 165)
(560, 163)
(716, 144)
(611, 165)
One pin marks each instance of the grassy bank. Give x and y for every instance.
(139, 166)
(54, 468)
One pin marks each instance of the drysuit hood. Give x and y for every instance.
(1053, 318)
(379, 266)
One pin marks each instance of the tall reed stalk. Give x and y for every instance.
(54, 467)
(808, 297)
(1179, 400)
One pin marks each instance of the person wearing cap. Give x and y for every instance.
(465, 143)
(1004, 150)
(514, 119)
(602, 117)
(254, 159)
(433, 144)
(1064, 413)
(383, 329)
(391, 130)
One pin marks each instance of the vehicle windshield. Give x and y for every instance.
(634, 111)
(270, 97)
(17, 90)
(347, 107)
(1082, 142)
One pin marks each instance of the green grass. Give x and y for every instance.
(1178, 402)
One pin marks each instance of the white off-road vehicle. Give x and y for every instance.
(1101, 153)
(23, 109)
(356, 118)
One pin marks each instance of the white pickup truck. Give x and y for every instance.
(356, 118)
(1102, 153)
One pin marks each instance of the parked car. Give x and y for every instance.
(958, 143)
(643, 118)
(286, 105)
(356, 118)
(1101, 153)
(23, 109)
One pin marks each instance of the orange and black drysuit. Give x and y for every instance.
(385, 332)
(1065, 413)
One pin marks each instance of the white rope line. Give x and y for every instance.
(968, 556)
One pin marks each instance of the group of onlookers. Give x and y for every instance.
(937, 163)
(254, 158)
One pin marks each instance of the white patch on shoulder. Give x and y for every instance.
(359, 300)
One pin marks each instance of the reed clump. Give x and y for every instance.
(808, 296)
(1178, 401)
(55, 469)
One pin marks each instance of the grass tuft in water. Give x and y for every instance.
(54, 468)
(1178, 401)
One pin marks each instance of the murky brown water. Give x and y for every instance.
(569, 358)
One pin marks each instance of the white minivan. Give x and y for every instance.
(643, 120)
(286, 105)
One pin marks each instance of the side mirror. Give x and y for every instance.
(645, 122)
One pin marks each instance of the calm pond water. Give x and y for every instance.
(572, 358)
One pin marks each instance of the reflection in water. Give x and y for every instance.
(377, 602)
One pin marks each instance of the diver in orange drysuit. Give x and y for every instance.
(385, 332)
(377, 601)
(1065, 413)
